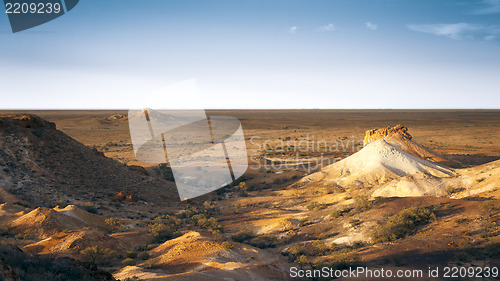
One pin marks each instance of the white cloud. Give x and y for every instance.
(292, 29)
(489, 7)
(371, 26)
(328, 27)
(456, 31)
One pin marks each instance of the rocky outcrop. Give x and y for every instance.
(376, 134)
(139, 169)
(120, 196)
(28, 121)
(42, 165)
(131, 197)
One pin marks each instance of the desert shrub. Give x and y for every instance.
(302, 261)
(286, 225)
(88, 207)
(361, 203)
(203, 221)
(242, 186)
(227, 245)
(164, 227)
(322, 235)
(337, 213)
(128, 261)
(316, 206)
(451, 190)
(131, 255)
(211, 208)
(162, 231)
(316, 248)
(319, 253)
(143, 256)
(264, 241)
(338, 261)
(114, 224)
(243, 235)
(402, 224)
(97, 255)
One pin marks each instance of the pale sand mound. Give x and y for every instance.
(377, 163)
(467, 182)
(86, 217)
(194, 252)
(476, 180)
(196, 257)
(44, 222)
(72, 242)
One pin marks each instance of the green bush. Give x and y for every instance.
(337, 213)
(161, 231)
(204, 221)
(402, 224)
(164, 227)
(316, 206)
(114, 224)
(97, 255)
(227, 245)
(362, 203)
(286, 225)
(88, 206)
(264, 241)
(243, 235)
(131, 255)
(128, 261)
(143, 256)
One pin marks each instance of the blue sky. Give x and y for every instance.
(258, 54)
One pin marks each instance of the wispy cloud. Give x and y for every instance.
(327, 28)
(459, 31)
(292, 30)
(371, 26)
(488, 7)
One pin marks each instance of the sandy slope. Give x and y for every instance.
(194, 256)
(377, 163)
(44, 222)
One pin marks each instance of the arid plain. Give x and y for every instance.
(317, 193)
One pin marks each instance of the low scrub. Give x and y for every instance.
(97, 255)
(315, 206)
(114, 224)
(164, 227)
(264, 241)
(402, 224)
(243, 235)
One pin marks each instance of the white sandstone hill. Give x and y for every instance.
(378, 163)
(392, 165)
